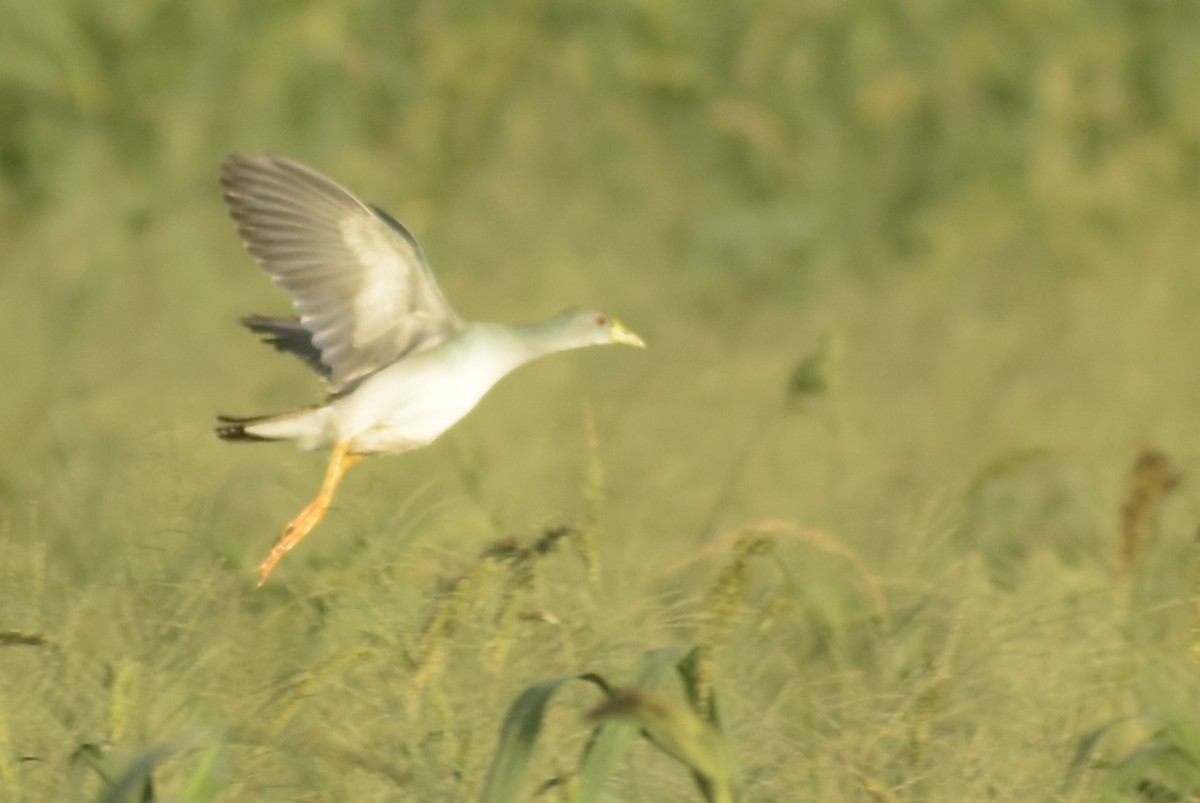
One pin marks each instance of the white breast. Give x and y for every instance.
(409, 404)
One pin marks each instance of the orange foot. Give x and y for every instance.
(313, 512)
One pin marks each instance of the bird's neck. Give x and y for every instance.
(528, 341)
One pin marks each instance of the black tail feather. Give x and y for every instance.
(233, 428)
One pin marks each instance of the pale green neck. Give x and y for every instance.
(528, 341)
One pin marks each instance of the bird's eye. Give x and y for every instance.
(601, 320)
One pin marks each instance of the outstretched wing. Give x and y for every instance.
(356, 277)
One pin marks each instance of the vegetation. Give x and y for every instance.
(899, 505)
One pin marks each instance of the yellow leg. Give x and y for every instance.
(312, 514)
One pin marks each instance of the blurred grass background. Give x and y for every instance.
(919, 282)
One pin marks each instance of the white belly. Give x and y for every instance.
(414, 401)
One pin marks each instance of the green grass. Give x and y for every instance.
(920, 285)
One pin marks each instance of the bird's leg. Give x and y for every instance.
(312, 514)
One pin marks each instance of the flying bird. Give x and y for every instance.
(400, 366)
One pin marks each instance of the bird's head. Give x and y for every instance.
(592, 328)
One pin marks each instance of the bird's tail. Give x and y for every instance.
(305, 426)
(233, 428)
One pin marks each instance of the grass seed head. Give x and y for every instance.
(123, 700)
(722, 610)
(1151, 479)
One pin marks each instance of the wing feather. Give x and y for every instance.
(356, 277)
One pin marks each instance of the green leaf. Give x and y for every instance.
(137, 775)
(518, 736)
(204, 785)
(614, 736)
(680, 732)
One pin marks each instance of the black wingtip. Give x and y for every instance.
(288, 335)
(266, 324)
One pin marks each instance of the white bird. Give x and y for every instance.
(400, 366)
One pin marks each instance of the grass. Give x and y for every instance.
(910, 458)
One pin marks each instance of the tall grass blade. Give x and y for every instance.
(10, 778)
(204, 785)
(137, 777)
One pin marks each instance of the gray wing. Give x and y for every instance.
(357, 278)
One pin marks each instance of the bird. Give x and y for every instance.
(399, 365)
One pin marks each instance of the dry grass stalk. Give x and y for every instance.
(10, 778)
(1196, 605)
(929, 700)
(123, 700)
(523, 563)
(427, 657)
(287, 704)
(817, 539)
(873, 786)
(594, 485)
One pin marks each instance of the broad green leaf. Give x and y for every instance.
(518, 736)
(614, 736)
(680, 732)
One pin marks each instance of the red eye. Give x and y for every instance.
(601, 320)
